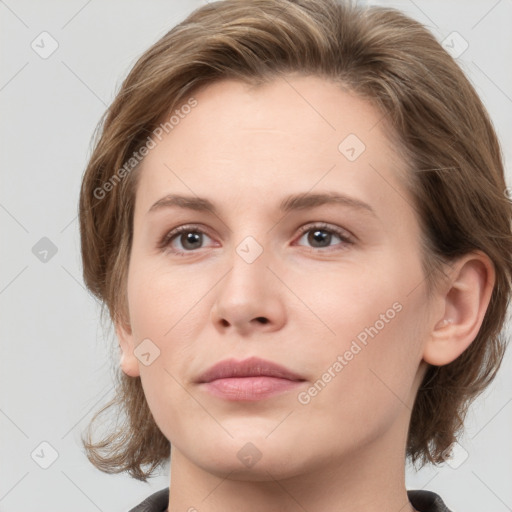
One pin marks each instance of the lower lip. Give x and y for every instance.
(249, 388)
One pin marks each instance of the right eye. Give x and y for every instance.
(188, 238)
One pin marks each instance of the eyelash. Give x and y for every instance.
(169, 237)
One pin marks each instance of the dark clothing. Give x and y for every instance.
(157, 502)
(424, 501)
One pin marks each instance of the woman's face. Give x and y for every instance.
(331, 290)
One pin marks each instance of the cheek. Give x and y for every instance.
(160, 299)
(166, 308)
(162, 310)
(352, 299)
(377, 330)
(362, 388)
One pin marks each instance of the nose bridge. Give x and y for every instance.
(248, 277)
(248, 294)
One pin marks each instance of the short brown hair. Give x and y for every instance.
(442, 131)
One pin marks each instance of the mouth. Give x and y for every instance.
(248, 380)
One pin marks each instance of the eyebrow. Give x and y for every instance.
(293, 202)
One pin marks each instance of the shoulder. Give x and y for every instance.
(157, 502)
(427, 501)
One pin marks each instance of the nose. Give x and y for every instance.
(249, 298)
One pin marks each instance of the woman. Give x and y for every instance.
(297, 217)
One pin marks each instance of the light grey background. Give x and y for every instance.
(55, 367)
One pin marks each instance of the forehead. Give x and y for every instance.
(291, 133)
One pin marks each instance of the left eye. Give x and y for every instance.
(321, 236)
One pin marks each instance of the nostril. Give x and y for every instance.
(262, 319)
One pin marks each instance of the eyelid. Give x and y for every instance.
(343, 233)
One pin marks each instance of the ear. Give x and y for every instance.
(129, 363)
(463, 301)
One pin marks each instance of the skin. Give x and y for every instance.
(245, 149)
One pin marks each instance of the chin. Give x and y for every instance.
(250, 458)
(278, 467)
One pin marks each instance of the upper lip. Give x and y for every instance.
(252, 367)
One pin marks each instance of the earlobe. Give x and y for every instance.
(129, 363)
(464, 303)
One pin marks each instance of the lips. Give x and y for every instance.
(252, 367)
(252, 380)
